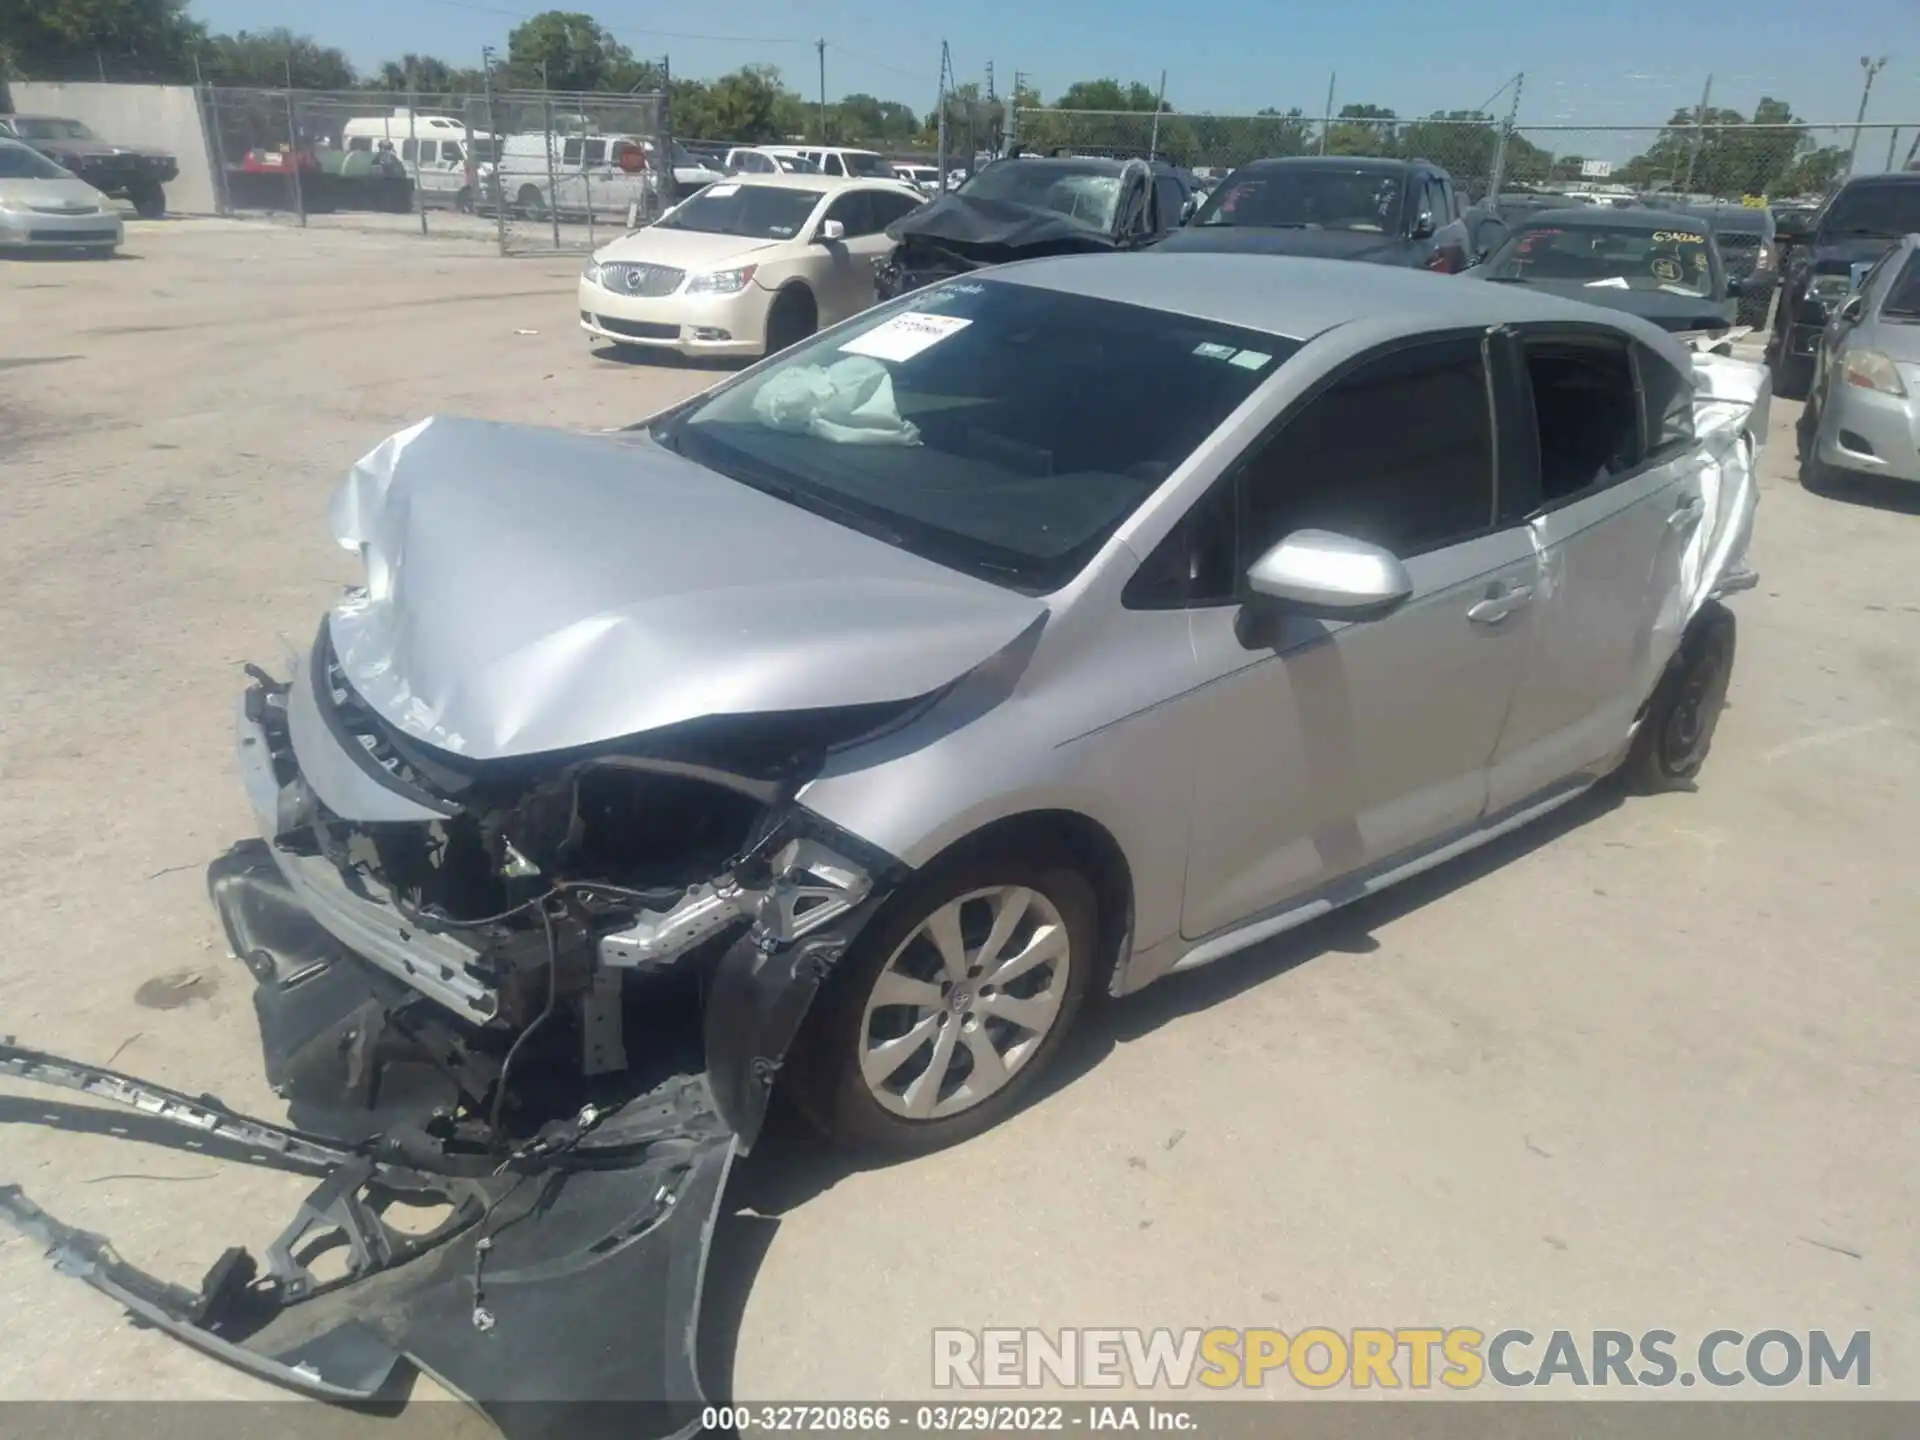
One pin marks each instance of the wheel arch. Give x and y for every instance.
(1090, 845)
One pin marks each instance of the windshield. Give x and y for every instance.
(29, 127)
(17, 162)
(862, 162)
(758, 212)
(684, 158)
(1903, 300)
(1086, 195)
(956, 423)
(1679, 261)
(1307, 197)
(796, 164)
(1890, 210)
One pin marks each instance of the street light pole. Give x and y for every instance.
(1872, 68)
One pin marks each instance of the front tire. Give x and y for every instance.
(149, 200)
(1676, 733)
(1792, 377)
(792, 319)
(951, 1005)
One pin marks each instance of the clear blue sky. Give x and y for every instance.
(1634, 65)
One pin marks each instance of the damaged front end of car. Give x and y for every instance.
(534, 915)
(552, 1013)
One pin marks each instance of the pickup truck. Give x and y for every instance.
(129, 172)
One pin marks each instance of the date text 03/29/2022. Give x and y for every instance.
(947, 1419)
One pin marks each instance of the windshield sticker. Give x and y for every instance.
(1214, 352)
(1677, 237)
(905, 336)
(721, 192)
(1251, 359)
(1616, 282)
(1667, 269)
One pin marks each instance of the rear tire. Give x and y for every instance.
(1676, 733)
(531, 203)
(1051, 913)
(792, 319)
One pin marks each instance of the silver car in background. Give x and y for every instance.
(847, 728)
(43, 207)
(1862, 415)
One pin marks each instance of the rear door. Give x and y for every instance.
(1329, 748)
(1618, 497)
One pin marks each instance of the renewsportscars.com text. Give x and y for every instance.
(1416, 1358)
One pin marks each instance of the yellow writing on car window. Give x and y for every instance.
(1677, 237)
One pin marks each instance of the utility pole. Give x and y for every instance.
(1326, 122)
(946, 86)
(1159, 104)
(1013, 111)
(1699, 133)
(1498, 177)
(821, 46)
(1872, 68)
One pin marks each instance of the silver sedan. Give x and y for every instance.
(1862, 415)
(846, 729)
(43, 207)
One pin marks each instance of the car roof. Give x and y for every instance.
(1338, 162)
(786, 180)
(1292, 296)
(1612, 217)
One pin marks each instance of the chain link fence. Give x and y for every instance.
(535, 171)
(1483, 154)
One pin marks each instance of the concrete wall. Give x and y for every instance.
(165, 117)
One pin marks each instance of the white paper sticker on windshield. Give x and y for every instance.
(1616, 282)
(905, 336)
(1214, 352)
(722, 191)
(1251, 359)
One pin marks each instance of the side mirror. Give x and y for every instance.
(1737, 285)
(830, 230)
(1190, 209)
(1332, 577)
(1855, 310)
(1424, 226)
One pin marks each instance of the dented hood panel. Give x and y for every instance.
(531, 590)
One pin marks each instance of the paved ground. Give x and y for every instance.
(1651, 1065)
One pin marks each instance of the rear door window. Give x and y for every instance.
(1587, 412)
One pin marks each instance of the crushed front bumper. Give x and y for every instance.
(560, 1292)
(559, 1281)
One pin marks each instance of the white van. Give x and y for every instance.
(839, 160)
(449, 164)
(575, 174)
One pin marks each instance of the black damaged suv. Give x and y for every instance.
(1863, 221)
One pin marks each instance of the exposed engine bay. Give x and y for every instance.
(553, 1015)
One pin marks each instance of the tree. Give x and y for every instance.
(1363, 130)
(862, 117)
(1108, 95)
(1721, 152)
(563, 50)
(272, 59)
(92, 39)
(425, 75)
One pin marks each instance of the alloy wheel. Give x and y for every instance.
(964, 1002)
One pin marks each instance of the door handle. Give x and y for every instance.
(1687, 513)
(1500, 602)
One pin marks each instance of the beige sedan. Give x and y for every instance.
(746, 266)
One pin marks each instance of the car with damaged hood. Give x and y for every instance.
(1827, 254)
(1382, 212)
(1663, 266)
(1026, 207)
(845, 730)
